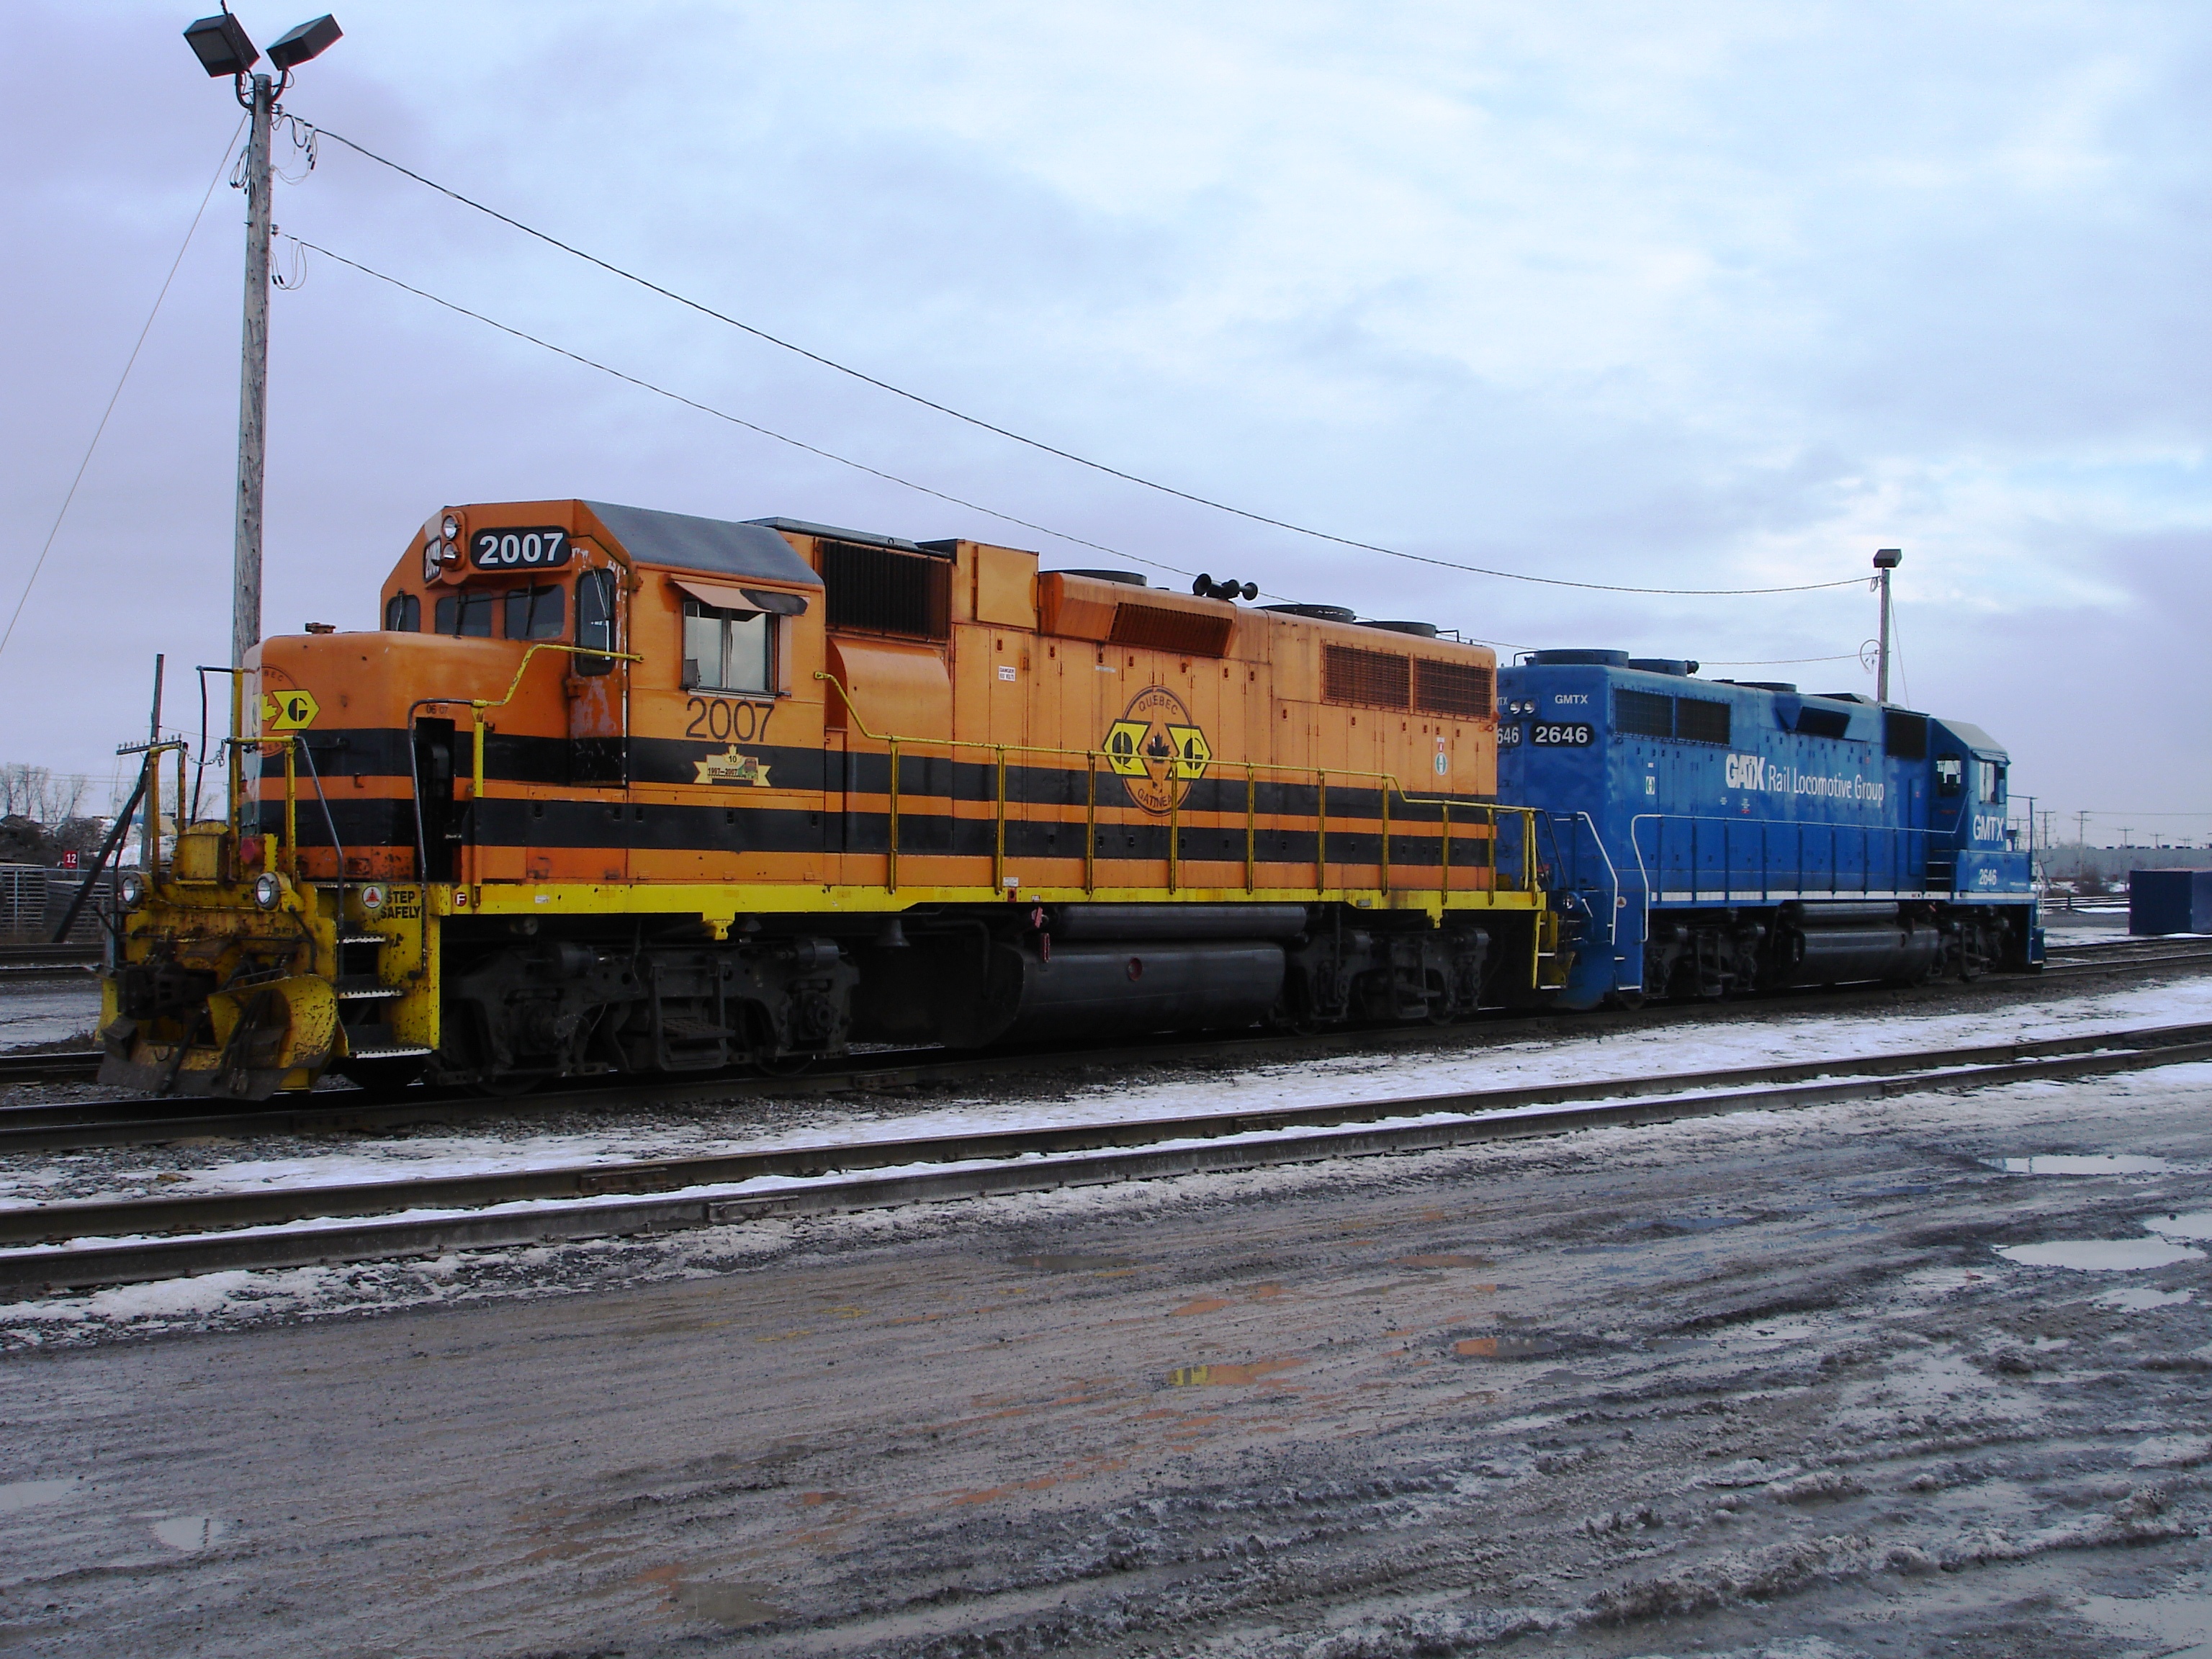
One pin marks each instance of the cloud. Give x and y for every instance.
(1618, 293)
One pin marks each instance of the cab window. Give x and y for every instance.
(466, 615)
(1990, 776)
(595, 620)
(403, 614)
(535, 613)
(727, 650)
(1950, 775)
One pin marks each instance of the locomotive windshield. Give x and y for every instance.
(535, 613)
(466, 615)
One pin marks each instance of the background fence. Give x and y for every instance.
(34, 899)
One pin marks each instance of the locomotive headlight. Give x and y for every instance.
(131, 889)
(268, 890)
(451, 527)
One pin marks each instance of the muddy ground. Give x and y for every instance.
(1761, 1385)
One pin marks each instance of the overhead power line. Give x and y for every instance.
(1039, 445)
(722, 414)
(129, 363)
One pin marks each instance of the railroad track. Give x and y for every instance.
(79, 1245)
(49, 961)
(69, 1065)
(2124, 954)
(141, 1119)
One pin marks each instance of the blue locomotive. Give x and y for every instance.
(1712, 836)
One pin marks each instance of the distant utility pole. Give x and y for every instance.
(223, 48)
(1884, 562)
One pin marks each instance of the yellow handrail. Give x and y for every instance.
(1388, 781)
(476, 705)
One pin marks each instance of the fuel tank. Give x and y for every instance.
(1122, 988)
(1835, 944)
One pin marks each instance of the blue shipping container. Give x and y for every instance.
(2170, 901)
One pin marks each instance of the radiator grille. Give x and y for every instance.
(1699, 720)
(1376, 679)
(1451, 688)
(1643, 713)
(1904, 736)
(874, 590)
(1156, 628)
(1822, 722)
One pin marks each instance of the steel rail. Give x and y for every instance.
(69, 1066)
(570, 1202)
(139, 1120)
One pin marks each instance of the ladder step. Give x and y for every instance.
(390, 1051)
(369, 993)
(364, 939)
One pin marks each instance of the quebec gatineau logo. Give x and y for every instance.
(1156, 749)
(730, 767)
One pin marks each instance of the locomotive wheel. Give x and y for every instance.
(505, 1088)
(382, 1079)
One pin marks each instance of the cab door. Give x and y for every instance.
(598, 686)
(598, 689)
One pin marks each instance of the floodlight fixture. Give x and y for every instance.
(311, 39)
(223, 46)
(1889, 558)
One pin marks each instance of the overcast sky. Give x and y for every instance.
(1711, 297)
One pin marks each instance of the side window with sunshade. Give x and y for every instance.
(403, 614)
(727, 650)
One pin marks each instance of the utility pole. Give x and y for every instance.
(253, 384)
(223, 48)
(1885, 560)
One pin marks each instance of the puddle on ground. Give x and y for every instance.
(1504, 1348)
(1203, 1304)
(1218, 1377)
(2195, 1225)
(2101, 1255)
(1442, 1261)
(2141, 1299)
(190, 1532)
(1073, 1264)
(2068, 1164)
(2178, 1622)
(726, 1604)
(1675, 1225)
(29, 1494)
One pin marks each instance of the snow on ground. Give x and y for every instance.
(43, 1011)
(2026, 1131)
(751, 1124)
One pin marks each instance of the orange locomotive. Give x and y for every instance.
(621, 790)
